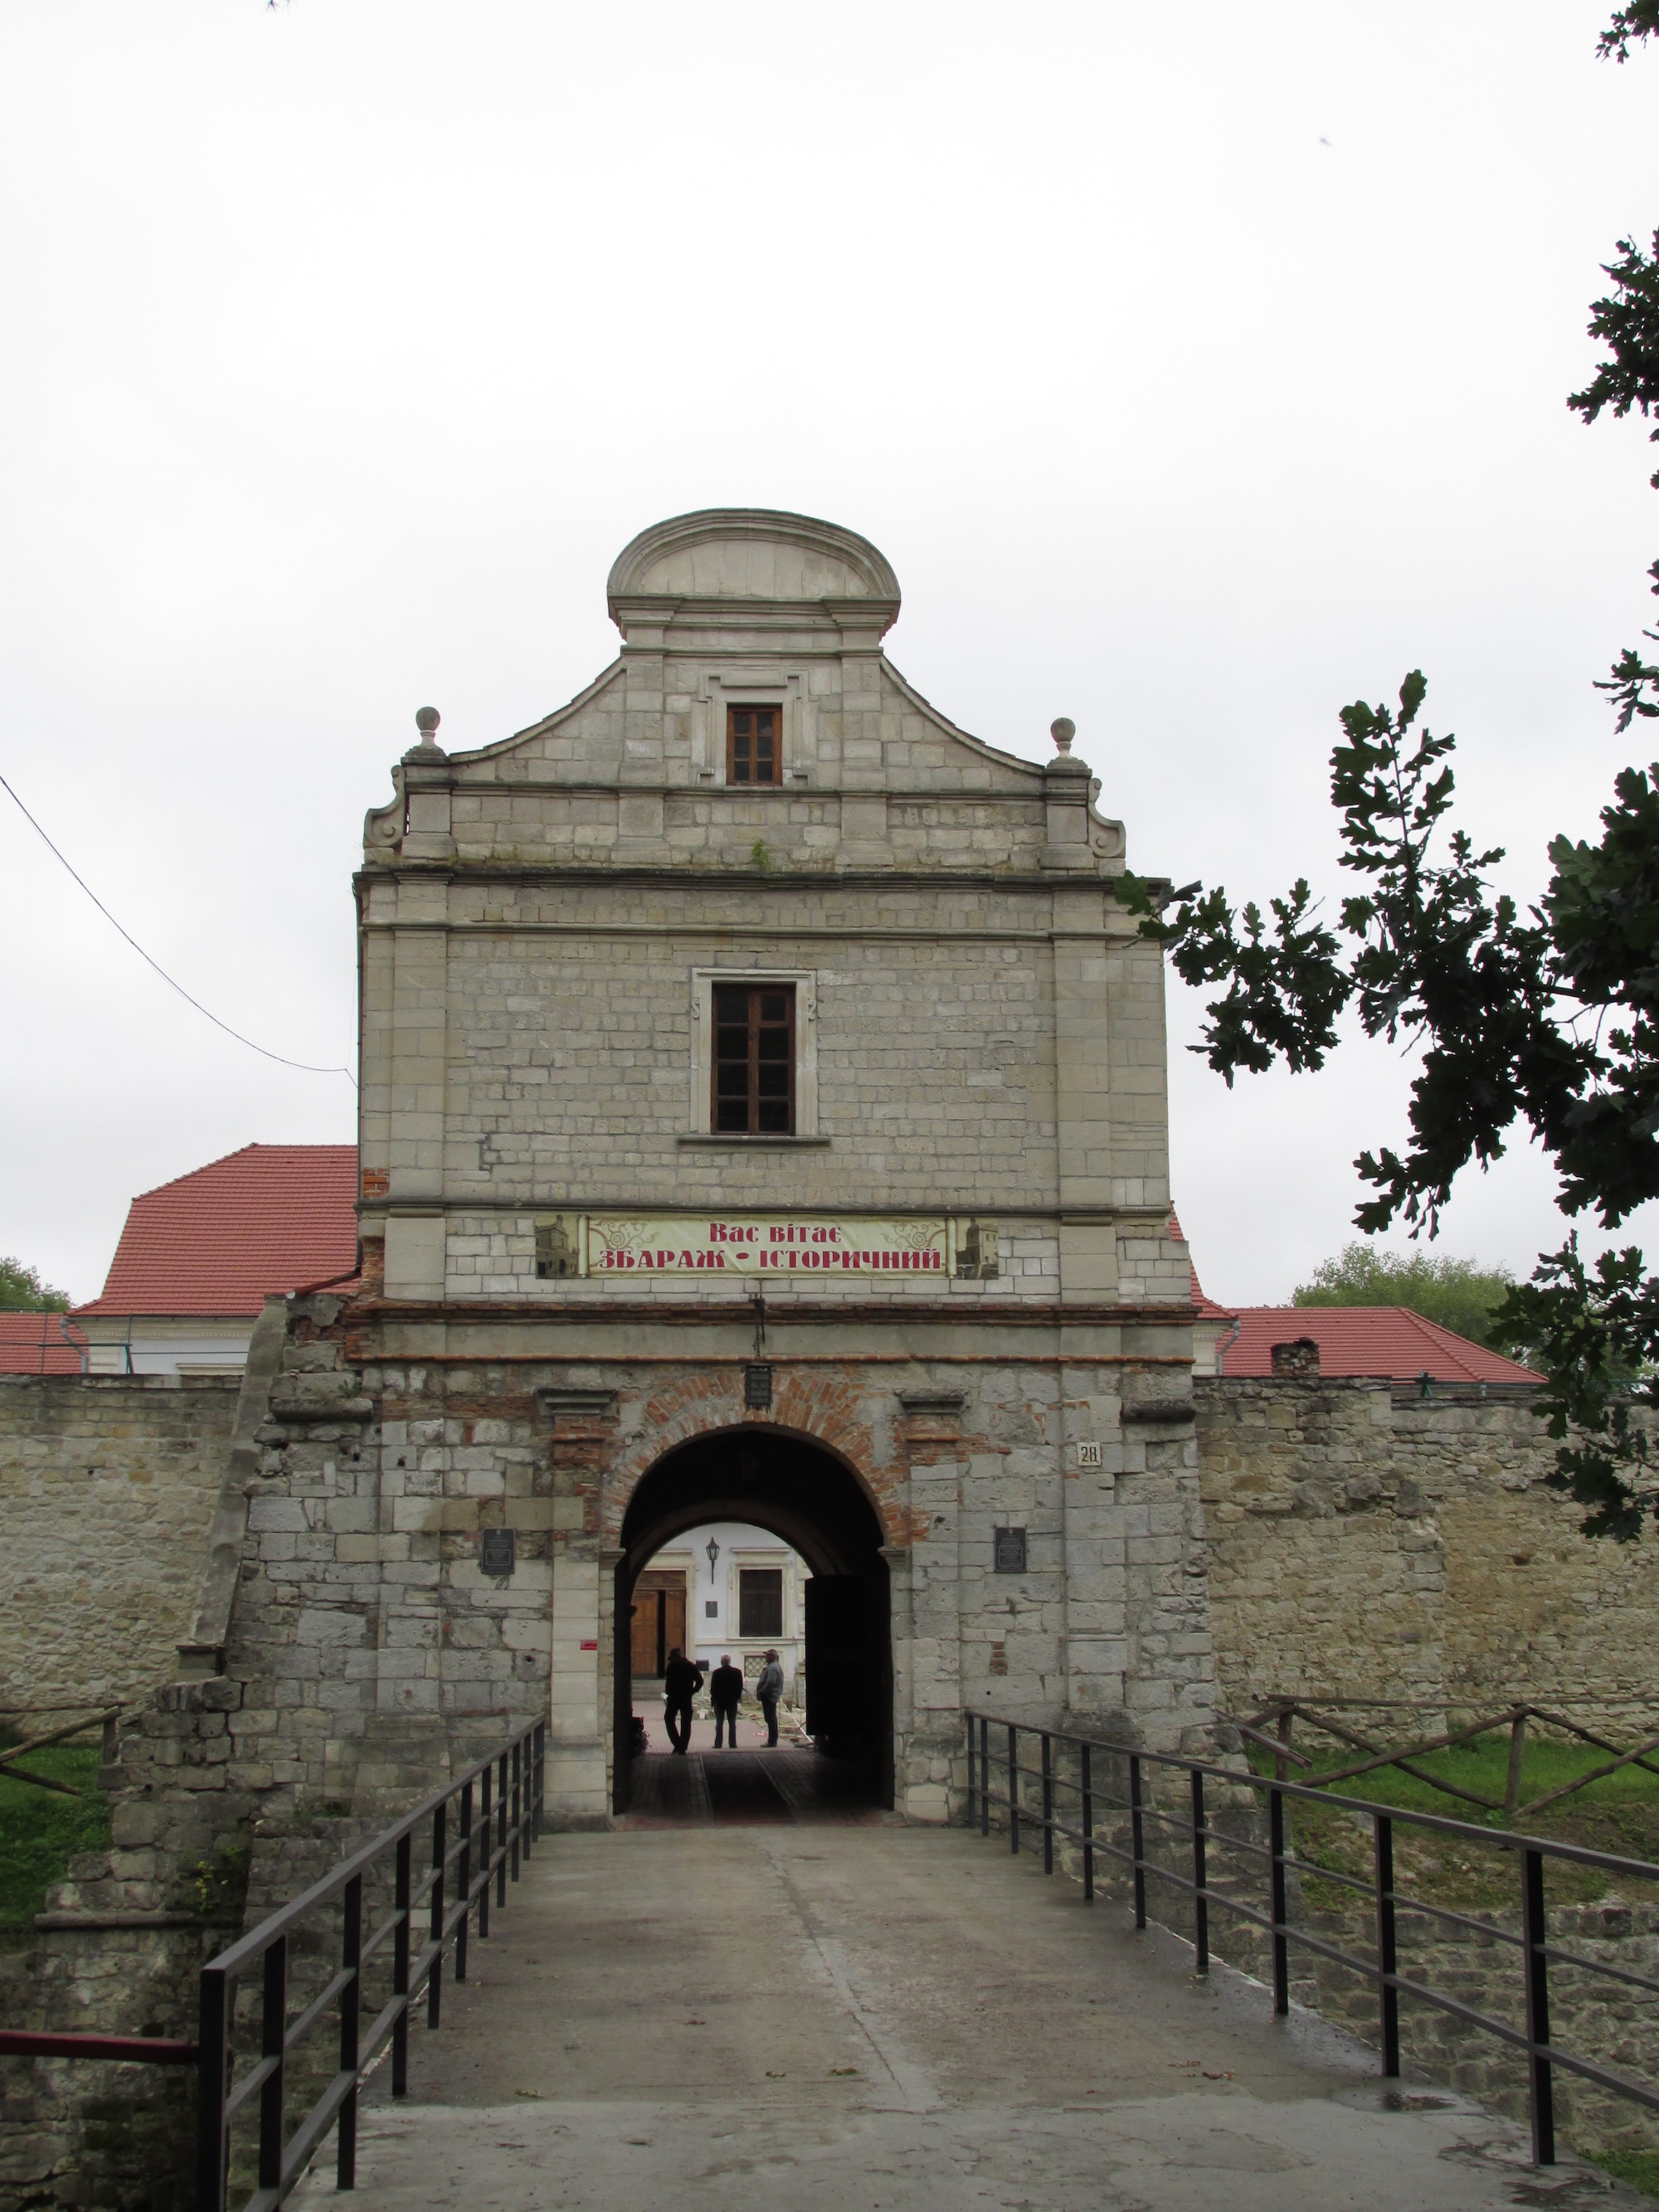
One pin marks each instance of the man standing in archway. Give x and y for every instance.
(768, 1689)
(682, 1679)
(724, 1688)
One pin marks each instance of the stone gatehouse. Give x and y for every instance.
(764, 1123)
(763, 1117)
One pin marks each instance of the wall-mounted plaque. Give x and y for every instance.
(1009, 1551)
(497, 1550)
(1088, 1454)
(757, 1386)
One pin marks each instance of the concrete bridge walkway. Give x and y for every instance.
(863, 2017)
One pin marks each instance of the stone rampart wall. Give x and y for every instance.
(107, 1488)
(1365, 1543)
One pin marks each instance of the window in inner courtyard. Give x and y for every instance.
(754, 1059)
(760, 1602)
(753, 749)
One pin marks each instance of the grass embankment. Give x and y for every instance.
(1619, 1814)
(41, 1831)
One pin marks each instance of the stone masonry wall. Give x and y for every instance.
(107, 1487)
(563, 1022)
(1368, 1544)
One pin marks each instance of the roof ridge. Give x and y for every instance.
(156, 1189)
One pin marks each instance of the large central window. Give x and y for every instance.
(754, 752)
(754, 1059)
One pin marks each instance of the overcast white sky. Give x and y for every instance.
(1198, 369)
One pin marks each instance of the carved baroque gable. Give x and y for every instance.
(722, 613)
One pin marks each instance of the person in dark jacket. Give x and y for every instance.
(682, 1679)
(724, 1688)
(768, 1689)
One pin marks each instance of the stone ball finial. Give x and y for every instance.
(1062, 732)
(426, 720)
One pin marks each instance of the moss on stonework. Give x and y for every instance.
(219, 1885)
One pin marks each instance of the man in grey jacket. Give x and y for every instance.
(768, 1689)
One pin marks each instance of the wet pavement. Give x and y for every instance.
(788, 2013)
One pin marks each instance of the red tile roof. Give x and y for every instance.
(35, 1344)
(1388, 1342)
(268, 1219)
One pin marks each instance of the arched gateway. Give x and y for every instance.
(774, 1479)
(763, 1116)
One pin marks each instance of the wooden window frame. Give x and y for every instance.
(754, 1635)
(750, 781)
(755, 993)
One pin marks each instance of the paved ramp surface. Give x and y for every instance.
(794, 2018)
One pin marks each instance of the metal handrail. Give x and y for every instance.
(129, 2049)
(1543, 2056)
(505, 1790)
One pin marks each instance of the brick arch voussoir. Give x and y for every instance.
(820, 1407)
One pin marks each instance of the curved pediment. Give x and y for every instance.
(752, 555)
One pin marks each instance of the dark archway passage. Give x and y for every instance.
(801, 1491)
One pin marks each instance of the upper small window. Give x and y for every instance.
(755, 1059)
(754, 744)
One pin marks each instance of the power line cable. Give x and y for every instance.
(305, 1066)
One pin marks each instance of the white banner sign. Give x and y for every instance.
(763, 1244)
(744, 1244)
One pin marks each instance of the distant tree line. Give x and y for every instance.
(1457, 1294)
(22, 1290)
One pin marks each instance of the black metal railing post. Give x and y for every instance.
(1047, 1802)
(402, 1887)
(1200, 1886)
(351, 1961)
(1087, 1774)
(1281, 1946)
(273, 2038)
(500, 1829)
(984, 1778)
(212, 2082)
(1540, 2081)
(518, 1807)
(1388, 1955)
(1013, 1790)
(1137, 1839)
(435, 1980)
(463, 1884)
(971, 1775)
(486, 1839)
(541, 1772)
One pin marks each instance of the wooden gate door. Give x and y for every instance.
(674, 1618)
(658, 1621)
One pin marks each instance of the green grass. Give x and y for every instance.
(1482, 1766)
(1619, 1814)
(1639, 2167)
(41, 1831)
